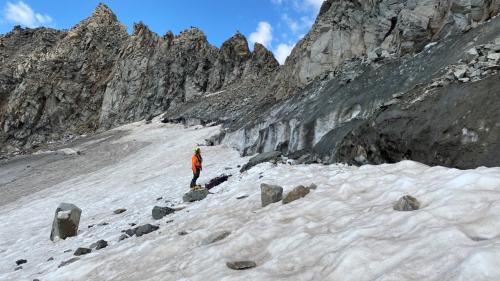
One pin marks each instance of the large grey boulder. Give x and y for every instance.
(270, 194)
(195, 195)
(261, 158)
(66, 221)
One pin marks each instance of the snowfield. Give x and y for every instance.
(346, 229)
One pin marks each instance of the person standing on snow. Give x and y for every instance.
(196, 160)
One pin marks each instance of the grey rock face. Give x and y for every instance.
(58, 87)
(215, 237)
(387, 114)
(195, 195)
(261, 158)
(270, 194)
(297, 193)
(406, 203)
(347, 29)
(66, 221)
(160, 212)
(93, 76)
(241, 265)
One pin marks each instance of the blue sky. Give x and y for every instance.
(277, 24)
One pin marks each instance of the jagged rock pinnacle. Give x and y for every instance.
(103, 11)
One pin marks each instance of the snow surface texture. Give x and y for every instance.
(346, 229)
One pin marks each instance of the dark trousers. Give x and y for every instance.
(196, 175)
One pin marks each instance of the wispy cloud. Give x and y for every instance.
(283, 51)
(23, 14)
(301, 5)
(297, 17)
(263, 34)
(315, 4)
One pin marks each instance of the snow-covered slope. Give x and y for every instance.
(346, 229)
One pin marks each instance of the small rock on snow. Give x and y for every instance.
(297, 193)
(159, 212)
(21, 261)
(407, 203)
(195, 195)
(99, 244)
(123, 237)
(119, 211)
(82, 251)
(145, 229)
(241, 265)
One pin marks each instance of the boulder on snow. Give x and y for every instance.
(217, 236)
(216, 181)
(82, 251)
(119, 211)
(159, 212)
(122, 237)
(260, 158)
(141, 230)
(406, 203)
(66, 221)
(241, 265)
(21, 261)
(99, 244)
(270, 194)
(296, 193)
(195, 195)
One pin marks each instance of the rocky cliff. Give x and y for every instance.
(96, 76)
(335, 98)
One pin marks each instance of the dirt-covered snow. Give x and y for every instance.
(346, 229)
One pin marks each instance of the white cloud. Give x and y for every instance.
(21, 13)
(316, 4)
(283, 51)
(263, 34)
(301, 5)
(299, 25)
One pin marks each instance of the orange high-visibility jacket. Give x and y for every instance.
(196, 162)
